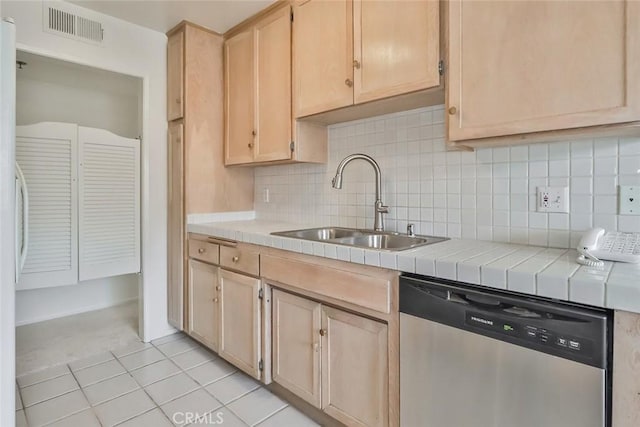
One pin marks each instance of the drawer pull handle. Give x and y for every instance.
(201, 250)
(235, 259)
(323, 332)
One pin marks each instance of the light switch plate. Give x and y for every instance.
(629, 200)
(553, 199)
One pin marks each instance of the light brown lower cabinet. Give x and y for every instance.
(240, 321)
(296, 337)
(203, 303)
(347, 376)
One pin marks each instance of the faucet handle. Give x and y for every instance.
(411, 230)
(382, 208)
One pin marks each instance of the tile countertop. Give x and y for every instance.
(533, 270)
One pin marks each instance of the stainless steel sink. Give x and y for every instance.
(367, 239)
(383, 241)
(320, 234)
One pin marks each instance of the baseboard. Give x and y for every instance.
(72, 312)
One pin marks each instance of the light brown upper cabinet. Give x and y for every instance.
(520, 67)
(259, 125)
(175, 76)
(258, 80)
(322, 55)
(239, 98)
(369, 50)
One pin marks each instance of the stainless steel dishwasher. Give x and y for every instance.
(471, 357)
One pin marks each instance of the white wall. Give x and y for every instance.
(136, 51)
(37, 305)
(489, 194)
(58, 91)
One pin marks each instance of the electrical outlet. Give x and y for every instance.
(629, 200)
(553, 199)
(265, 195)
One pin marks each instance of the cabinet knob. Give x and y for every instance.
(250, 145)
(201, 250)
(254, 133)
(323, 332)
(348, 82)
(453, 110)
(356, 64)
(215, 300)
(218, 288)
(235, 258)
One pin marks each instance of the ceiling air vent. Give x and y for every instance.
(64, 23)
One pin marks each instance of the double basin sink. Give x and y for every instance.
(368, 239)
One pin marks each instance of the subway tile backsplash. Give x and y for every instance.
(489, 194)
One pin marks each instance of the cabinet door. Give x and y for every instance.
(239, 98)
(175, 228)
(175, 77)
(203, 303)
(396, 47)
(296, 345)
(239, 339)
(322, 58)
(354, 369)
(528, 66)
(273, 77)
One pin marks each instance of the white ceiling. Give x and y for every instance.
(217, 15)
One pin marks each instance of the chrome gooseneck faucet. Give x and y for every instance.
(380, 208)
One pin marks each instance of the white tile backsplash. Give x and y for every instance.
(488, 194)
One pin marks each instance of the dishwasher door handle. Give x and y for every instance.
(491, 305)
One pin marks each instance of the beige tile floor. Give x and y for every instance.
(63, 340)
(157, 384)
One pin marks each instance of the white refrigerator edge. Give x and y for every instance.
(7, 221)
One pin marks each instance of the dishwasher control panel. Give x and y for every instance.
(566, 330)
(531, 333)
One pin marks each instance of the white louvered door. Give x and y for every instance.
(109, 204)
(47, 155)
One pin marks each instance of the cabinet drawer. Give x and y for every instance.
(240, 259)
(370, 291)
(204, 251)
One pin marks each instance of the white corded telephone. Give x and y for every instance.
(597, 244)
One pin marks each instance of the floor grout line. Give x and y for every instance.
(179, 370)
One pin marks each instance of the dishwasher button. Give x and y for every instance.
(574, 345)
(562, 342)
(543, 337)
